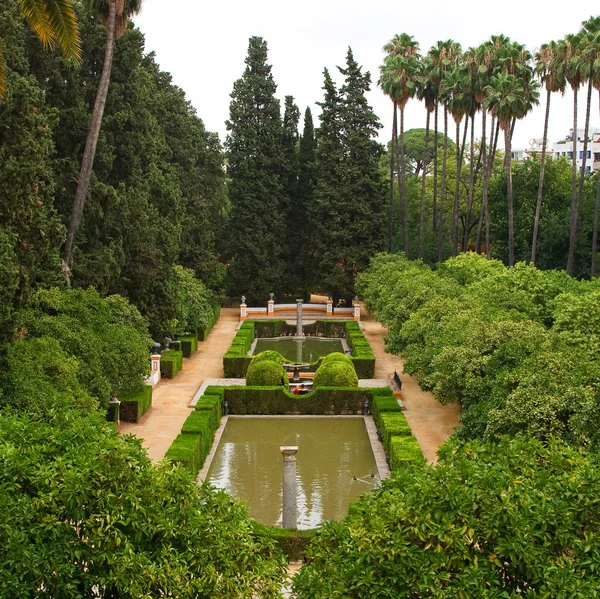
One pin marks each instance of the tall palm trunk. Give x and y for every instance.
(595, 228)
(538, 206)
(403, 216)
(89, 153)
(392, 164)
(422, 209)
(482, 160)
(585, 145)
(460, 149)
(574, 211)
(509, 196)
(471, 186)
(435, 170)
(440, 247)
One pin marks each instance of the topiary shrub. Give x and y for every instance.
(266, 373)
(269, 354)
(336, 374)
(335, 357)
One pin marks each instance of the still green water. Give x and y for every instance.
(300, 351)
(335, 465)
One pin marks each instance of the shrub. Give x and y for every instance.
(134, 407)
(336, 374)
(235, 366)
(384, 403)
(189, 345)
(193, 300)
(200, 422)
(268, 354)
(266, 373)
(393, 424)
(189, 450)
(294, 543)
(212, 404)
(335, 357)
(171, 361)
(404, 450)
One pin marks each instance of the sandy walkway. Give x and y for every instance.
(431, 422)
(171, 397)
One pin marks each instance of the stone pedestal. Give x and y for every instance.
(329, 307)
(154, 369)
(270, 307)
(290, 512)
(243, 309)
(356, 310)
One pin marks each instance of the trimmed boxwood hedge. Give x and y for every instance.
(134, 407)
(392, 424)
(189, 345)
(212, 404)
(384, 403)
(294, 543)
(266, 373)
(403, 451)
(171, 361)
(277, 400)
(336, 374)
(268, 354)
(190, 451)
(203, 333)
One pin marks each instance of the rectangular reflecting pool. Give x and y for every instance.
(309, 349)
(335, 465)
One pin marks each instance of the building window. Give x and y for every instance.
(570, 155)
(596, 156)
(589, 154)
(588, 169)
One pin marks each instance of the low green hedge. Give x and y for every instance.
(393, 424)
(215, 390)
(277, 400)
(237, 360)
(189, 345)
(135, 406)
(203, 333)
(294, 543)
(266, 373)
(235, 366)
(403, 451)
(336, 374)
(213, 404)
(362, 354)
(190, 451)
(384, 403)
(171, 361)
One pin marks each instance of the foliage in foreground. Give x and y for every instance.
(84, 513)
(519, 348)
(514, 519)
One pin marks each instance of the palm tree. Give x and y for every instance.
(115, 14)
(399, 74)
(428, 93)
(55, 24)
(457, 97)
(509, 100)
(571, 63)
(554, 82)
(443, 57)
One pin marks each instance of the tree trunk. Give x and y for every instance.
(538, 206)
(471, 185)
(459, 160)
(435, 171)
(574, 212)
(422, 209)
(443, 190)
(403, 216)
(391, 208)
(488, 245)
(595, 228)
(89, 153)
(585, 146)
(483, 159)
(509, 196)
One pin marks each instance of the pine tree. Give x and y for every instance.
(347, 215)
(256, 193)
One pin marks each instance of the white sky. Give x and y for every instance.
(203, 45)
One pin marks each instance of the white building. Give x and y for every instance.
(564, 147)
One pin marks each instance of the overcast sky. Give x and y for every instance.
(203, 45)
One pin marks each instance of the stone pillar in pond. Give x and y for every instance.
(271, 305)
(290, 513)
(243, 308)
(329, 307)
(298, 318)
(356, 309)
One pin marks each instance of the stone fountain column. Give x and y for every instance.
(290, 512)
(299, 318)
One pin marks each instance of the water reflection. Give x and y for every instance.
(335, 465)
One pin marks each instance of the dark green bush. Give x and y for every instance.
(189, 450)
(189, 345)
(335, 357)
(171, 361)
(213, 405)
(235, 366)
(292, 542)
(204, 331)
(269, 354)
(134, 407)
(404, 450)
(384, 403)
(393, 424)
(215, 390)
(266, 373)
(336, 374)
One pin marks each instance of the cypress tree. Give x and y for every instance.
(349, 206)
(255, 192)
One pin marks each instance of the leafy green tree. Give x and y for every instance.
(85, 514)
(255, 191)
(517, 519)
(193, 300)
